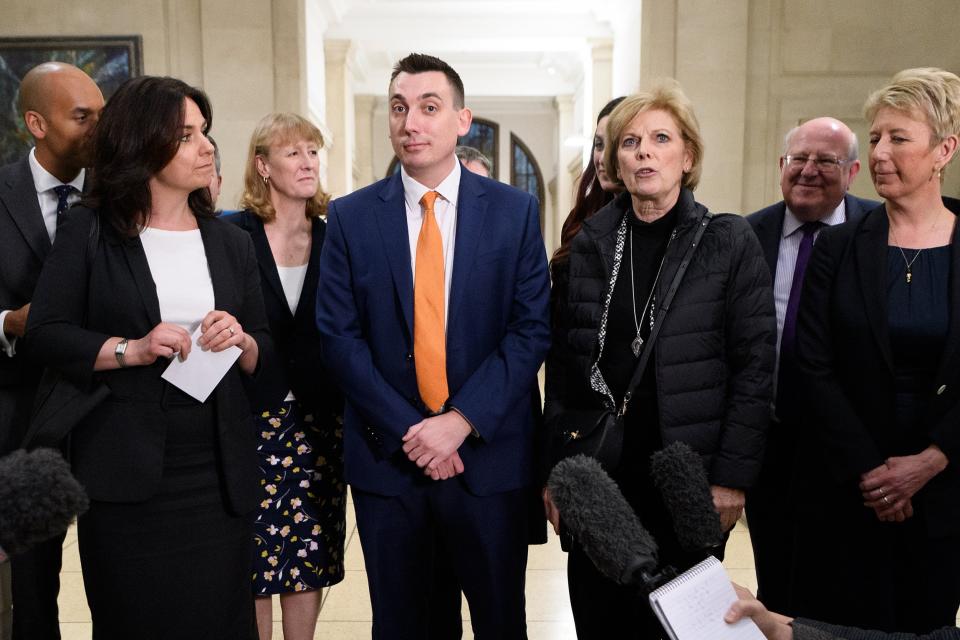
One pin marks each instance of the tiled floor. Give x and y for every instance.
(345, 613)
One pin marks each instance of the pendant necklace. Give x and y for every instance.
(637, 343)
(909, 263)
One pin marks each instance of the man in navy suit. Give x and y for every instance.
(818, 165)
(60, 105)
(437, 350)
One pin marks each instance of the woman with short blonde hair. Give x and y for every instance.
(299, 530)
(877, 332)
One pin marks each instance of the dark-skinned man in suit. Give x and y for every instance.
(60, 106)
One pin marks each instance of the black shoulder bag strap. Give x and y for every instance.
(664, 308)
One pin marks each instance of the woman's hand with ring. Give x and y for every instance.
(219, 331)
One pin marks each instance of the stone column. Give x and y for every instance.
(340, 115)
(565, 155)
(363, 149)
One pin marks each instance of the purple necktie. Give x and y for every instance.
(788, 341)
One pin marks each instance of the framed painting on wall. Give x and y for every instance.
(109, 60)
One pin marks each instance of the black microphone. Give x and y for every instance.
(596, 513)
(678, 473)
(39, 498)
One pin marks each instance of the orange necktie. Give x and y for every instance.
(429, 333)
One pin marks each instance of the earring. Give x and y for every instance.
(266, 179)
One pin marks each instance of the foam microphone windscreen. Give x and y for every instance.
(679, 474)
(39, 498)
(592, 507)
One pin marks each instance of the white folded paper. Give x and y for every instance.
(200, 373)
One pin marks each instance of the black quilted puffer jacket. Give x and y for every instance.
(714, 358)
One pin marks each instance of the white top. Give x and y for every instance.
(445, 210)
(44, 182)
(291, 279)
(179, 268)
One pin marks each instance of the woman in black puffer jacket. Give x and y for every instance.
(709, 379)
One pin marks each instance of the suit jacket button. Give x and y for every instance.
(942, 388)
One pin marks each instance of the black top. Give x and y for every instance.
(641, 422)
(649, 244)
(918, 314)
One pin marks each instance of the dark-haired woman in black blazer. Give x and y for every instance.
(879, 349)
(300, 526)
(166, 544)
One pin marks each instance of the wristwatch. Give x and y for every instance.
(119, 351)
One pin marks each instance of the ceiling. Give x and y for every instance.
(518, 48)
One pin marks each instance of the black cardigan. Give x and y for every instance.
(843, 351)
(298, 366)
(715, 355)
(81, 301)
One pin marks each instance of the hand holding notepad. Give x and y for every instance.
(692, 606)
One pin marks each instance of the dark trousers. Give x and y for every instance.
(35, 584)
(884, 576)
(771, 517)
(482, 538)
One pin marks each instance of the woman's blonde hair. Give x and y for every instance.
(668, 96)
(278, 128)
(933, 92)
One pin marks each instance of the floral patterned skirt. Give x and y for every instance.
(300, 525)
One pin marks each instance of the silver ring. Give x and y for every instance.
(232, 332)
(882, 492)
(886, 500)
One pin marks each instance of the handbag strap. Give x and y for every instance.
(664, 307)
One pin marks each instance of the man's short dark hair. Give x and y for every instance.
(422, 63)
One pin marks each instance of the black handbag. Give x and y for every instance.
(60, 404)
(599, 432)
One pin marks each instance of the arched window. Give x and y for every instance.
(483, 135)
(524, 171)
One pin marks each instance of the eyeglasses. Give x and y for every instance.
(824, 164)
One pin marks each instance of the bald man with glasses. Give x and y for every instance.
(817, 167)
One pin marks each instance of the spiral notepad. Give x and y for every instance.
(692, 606)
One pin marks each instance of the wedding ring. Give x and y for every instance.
(886, 500)
(882, 492)
(232, 332)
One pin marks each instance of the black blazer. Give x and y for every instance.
(844, 355)
(298, 366)
(767, 223)
(118, 449)
(24, 244)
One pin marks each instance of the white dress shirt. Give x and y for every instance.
(44, 182)
(445, 210)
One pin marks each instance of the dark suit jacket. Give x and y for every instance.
(118, 449)
(24, 244)
(843, 349)
(767, 223)
(298, 365)
(497, 331)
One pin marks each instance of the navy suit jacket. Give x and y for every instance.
(497, 331)
(767, 223)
